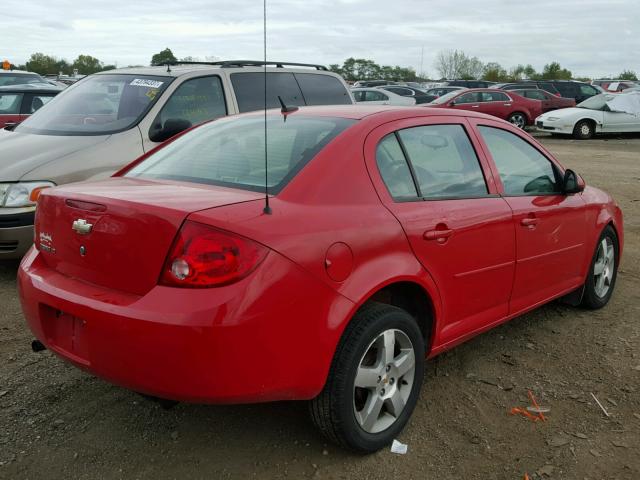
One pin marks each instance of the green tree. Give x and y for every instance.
(86, 65)
(553, 71)
(628, 75)
(42, 64)
(493, 72)
(163, 57)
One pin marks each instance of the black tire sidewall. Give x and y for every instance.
(590, 297)
(354, 434)
(518, 114)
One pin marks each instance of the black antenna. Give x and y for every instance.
(267, 208)
(285, 109)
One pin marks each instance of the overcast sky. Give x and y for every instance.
(589, 37)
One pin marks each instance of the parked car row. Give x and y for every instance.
(19, 101)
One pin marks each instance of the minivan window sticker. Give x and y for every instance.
(143, 82)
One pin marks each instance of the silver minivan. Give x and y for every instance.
(103, 122)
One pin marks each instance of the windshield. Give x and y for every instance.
(447, 97)
(596, 102)
(11, 79)
(98, 105)
(230, 152)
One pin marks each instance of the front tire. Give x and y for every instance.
(374, 381)
(602, 271)
(584, 130)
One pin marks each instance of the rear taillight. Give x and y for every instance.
(202, 256)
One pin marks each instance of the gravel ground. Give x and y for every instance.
(57, 422)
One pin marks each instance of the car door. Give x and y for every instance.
(550, 226)
(496, 103)
(613, 122)
(10, 104)
(545, 100)
(441, 191)
(467, 101)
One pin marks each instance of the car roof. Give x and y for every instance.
(31, 88)
(361, 111)
(20, 72)
(231, 66)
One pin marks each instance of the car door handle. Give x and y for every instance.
(529, 222)
(507, 104)
(475, 106)
(439, 235)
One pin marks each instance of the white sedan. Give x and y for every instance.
(604, 113)
(378, 96)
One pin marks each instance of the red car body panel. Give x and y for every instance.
(551, 101)
(332, 246)
(11, 118)
(501, 109)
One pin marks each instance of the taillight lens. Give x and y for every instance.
(203, 257)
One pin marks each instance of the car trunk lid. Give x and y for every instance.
(118, 232)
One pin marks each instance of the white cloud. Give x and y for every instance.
(587, 36)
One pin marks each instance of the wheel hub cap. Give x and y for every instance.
(603, 267)
(384, 381)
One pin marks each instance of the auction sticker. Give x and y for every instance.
(143, 82)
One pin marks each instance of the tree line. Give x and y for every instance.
(455, 64)
(450, 64)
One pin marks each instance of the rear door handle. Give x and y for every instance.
(439, 235)
(529, 222)
(507, 104)
(475, 106)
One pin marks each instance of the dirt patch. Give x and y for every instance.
(57, 422)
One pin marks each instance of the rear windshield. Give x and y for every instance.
(11, 79)
(97, 105)
(230, 152)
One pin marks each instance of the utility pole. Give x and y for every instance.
(422, 62)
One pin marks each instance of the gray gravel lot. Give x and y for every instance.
(57, 422)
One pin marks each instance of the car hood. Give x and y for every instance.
(571, 112)
(22, 152)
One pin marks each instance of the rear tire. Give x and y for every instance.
(518, 119)
(603, 271)
(371, 389)
(584, 130)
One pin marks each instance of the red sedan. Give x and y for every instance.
(548, 100)
(499, 103)
(392, 235)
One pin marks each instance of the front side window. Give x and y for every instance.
(443, 161)
(522, 168)
(373, 96)
(230, 152)
(10, 103)
(197, 100)
(587, 90)
(322, 89)
(98, 105)
(472, 97)
(394, 169)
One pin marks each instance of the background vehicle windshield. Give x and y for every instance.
(596, 102)
(230, 152)
(11, 79)
(98, 105)
(447, 97)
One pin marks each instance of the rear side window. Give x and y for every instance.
(230, 151)
(523, 169)
(249, 90)
(10, 103)
(322, 89)
(443, 161)
(494, 97)
(373, 96)
(196, 100)
(394, 169)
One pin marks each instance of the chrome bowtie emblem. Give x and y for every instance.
(81, 226)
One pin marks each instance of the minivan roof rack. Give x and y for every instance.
(245, 63)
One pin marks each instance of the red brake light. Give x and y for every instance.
(203, 257)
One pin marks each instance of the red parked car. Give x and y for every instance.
(18, 102)
(499, 103)
(548, 100)
(393, 234)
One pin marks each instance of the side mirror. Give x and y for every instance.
(452, 103)
(572, 182)
(171, 127)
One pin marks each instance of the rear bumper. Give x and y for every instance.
(16, 234)
(252, 341)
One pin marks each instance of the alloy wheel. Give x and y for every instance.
(603, 267)
(384, 381)
(518, 120)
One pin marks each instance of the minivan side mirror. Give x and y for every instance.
(572, 182)
(171, 127)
